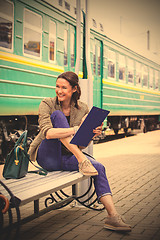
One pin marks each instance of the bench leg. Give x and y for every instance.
(36, 206)
(74, 190)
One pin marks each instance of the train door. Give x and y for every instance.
(69, 47)
(97, 73)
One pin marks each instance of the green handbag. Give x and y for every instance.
(16, 164)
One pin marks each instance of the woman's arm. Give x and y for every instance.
(60, 132)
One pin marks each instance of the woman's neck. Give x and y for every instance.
(66, 108)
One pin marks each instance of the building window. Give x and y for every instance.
(111, 64)
(145, 76)
(52, 41)
(122, 67)
(138, 74)
(130, 71)
(32, 33)
(6, 25)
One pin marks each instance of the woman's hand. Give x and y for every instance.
(98, 131)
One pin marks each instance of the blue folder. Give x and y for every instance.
(85, 133)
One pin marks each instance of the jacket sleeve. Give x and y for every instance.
(45, 112)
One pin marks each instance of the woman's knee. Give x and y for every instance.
(57, 114)
(59, 120)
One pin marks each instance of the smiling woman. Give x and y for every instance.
(59, 119)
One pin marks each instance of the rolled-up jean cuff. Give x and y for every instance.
(104, 194)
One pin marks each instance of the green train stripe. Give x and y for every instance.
(133, 92)
(20, 96)
(127, 86)
(26, 84)
(130, 105)
(127, 98)
(28, 71)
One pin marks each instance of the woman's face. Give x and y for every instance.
(64, 90)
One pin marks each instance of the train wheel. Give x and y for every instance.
(116, 131)
(125, 130)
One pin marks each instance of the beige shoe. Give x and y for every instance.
(87, 169)
(116, 223)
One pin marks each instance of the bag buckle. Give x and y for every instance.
(16, 161)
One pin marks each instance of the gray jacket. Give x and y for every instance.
(46, 108)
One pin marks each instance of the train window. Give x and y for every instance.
(94, 23)
(122, 67)
(138, 73)
(94, 59)
(111, 63)
(156, 81)
(145, 76)
(99, 60)
(6, 25)
(105, 64)
(72, 49)
(151, 77)
(52, 41)
(101, 27)
(32, 33)
(67, 6)
(60, 3)
(65, 47)
(130, 71)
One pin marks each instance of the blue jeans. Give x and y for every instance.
(50, 158)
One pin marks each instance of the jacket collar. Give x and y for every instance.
(72, 113)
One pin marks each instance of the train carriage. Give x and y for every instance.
(126, 83)
(38, 42)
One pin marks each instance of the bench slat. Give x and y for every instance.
(34, 187)
(34, 179)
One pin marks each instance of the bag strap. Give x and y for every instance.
(40, 171)
(23, 135)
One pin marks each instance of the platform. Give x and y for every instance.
(133, 170)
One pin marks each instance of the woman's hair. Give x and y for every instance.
(73, 80)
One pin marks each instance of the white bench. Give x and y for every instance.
(33, 187)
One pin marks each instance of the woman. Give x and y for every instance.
(59, 119)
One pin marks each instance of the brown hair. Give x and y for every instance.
(73, 80)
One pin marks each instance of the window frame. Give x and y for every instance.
(157, 80)
(72, 49)
(131, 68)
(139, 70)
(55, 43)
(65, 47)
(151, 74)
(144, 67)
(12, 20)
(113, 51)
(24, 25)
(120, 65)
